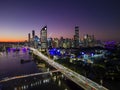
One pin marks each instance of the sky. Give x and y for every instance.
(95, 17)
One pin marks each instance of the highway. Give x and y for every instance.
(24, 76)
(80, 80)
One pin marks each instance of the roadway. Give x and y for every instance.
(80, 80)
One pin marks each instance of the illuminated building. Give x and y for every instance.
(36, 41)
(61, 42)
(43, 37)
(32, 39)
(33, 34)
(55, 43)
(72, 43)
(76, 37)
(89, 40)
(28, 37)
(50, 42)
(67, 43)
(86, 40)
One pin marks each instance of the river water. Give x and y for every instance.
(10, 65)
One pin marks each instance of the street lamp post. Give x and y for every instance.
(101, 82)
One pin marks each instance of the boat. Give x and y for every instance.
(24, 61)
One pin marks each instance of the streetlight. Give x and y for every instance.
(101, 82)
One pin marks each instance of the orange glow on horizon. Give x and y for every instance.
(11, 40)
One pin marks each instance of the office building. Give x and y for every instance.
(43, 37)
(29, 37)
(49, 40)
(33, 34)
(76, 37)
(89, 40)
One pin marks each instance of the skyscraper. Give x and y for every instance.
(33, 34)
(28, 37)
(43, 35)
(76, 37)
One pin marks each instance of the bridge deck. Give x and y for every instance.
(80, 80)
(24, 76)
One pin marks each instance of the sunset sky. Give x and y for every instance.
(98, 17)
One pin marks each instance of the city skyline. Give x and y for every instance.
(19, 17)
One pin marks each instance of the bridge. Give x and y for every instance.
(80, 80)
(29, 75)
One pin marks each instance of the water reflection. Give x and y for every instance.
(44, 82)
(31, 85)
(32, 82)
(10, 66)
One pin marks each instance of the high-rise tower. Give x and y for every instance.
(76, 37)
(43, 35)
(29, 37)
(33, 34)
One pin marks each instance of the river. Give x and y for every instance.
(10, 66)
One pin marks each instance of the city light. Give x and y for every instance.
(47, 44)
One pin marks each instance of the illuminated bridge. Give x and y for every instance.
(29, 75)
(80, 80)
